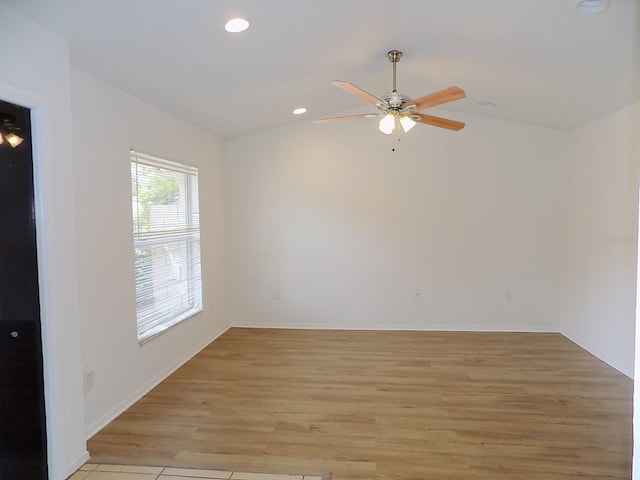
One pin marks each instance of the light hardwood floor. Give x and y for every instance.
(385, 405)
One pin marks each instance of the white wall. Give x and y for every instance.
(499, 226)
(36, 75)
(598, 307)
(107, 123)
(329, 228)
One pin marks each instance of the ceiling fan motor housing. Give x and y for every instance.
(393, 100)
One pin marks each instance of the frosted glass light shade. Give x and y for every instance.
(407, 123)
(387, 124)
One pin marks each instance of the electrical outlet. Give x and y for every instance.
(275, 294)
(417, 295)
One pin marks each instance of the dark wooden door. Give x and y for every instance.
(23, 453)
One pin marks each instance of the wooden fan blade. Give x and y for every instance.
(346, 117)
(437, 98)
(352, 89)
(437, 121)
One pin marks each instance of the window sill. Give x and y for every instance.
(160, 329)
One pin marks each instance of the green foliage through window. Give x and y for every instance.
(163, 190)
(152, 189)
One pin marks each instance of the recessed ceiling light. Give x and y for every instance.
(487, 104)
(299, 111)
(236, 25)
(592, 6)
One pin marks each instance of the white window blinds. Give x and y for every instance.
(166, 233)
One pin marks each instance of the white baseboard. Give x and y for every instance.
(626, 372)
(410, 328)
(77, 463)
(102, 422)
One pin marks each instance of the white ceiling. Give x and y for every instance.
(539, 61)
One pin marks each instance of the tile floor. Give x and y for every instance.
(92, 471)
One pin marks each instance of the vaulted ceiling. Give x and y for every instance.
(539, 61)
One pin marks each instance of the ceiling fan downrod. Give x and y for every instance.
(393, 102)
(394, 57)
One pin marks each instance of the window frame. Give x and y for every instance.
(150, 326)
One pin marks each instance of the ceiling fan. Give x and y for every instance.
(396, 107)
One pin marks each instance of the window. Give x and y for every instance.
(166, 240)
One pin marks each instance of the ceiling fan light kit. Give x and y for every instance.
(397, 108)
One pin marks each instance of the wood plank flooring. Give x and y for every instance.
(384, 405)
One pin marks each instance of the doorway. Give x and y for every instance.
(23, 450)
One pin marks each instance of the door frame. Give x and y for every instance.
(57, 383)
